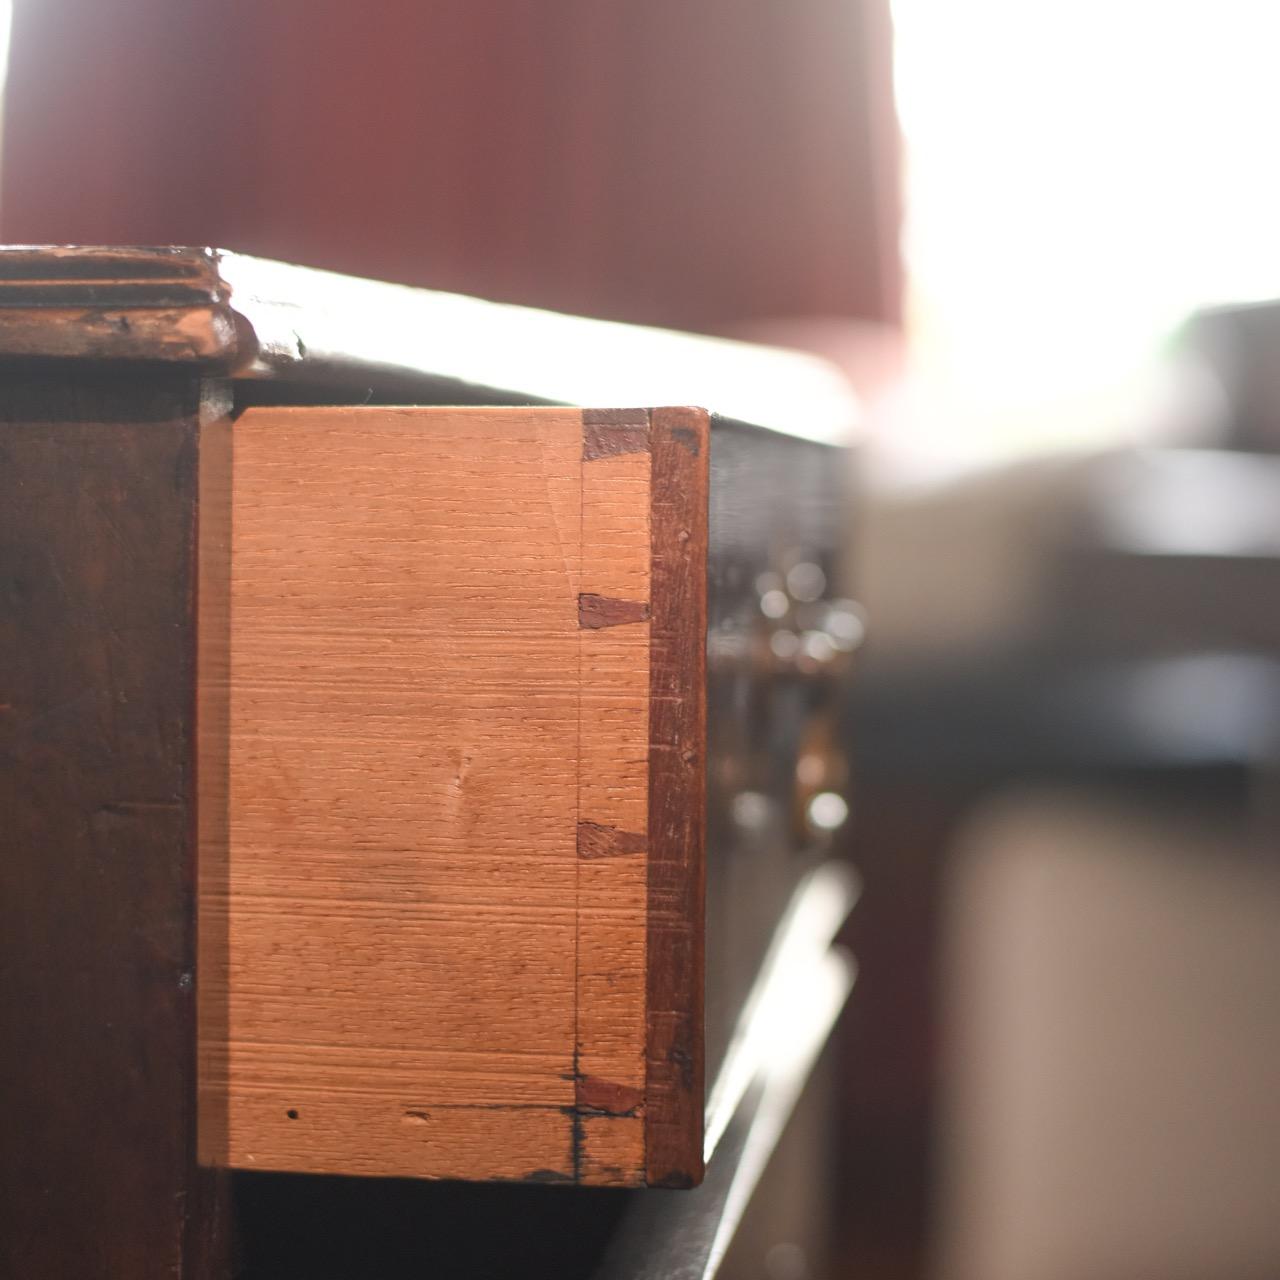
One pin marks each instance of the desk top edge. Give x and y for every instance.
(251, 319)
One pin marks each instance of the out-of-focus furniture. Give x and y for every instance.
(1113, 1024)
(1104, 621)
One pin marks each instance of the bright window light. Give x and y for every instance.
(6, 21)
(1080, 175)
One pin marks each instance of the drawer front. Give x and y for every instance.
(451, 763)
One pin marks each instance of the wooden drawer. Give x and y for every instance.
(453, 760)
(451, 887)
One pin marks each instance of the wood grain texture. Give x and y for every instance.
(426, 915)
(613, 796)
(680, 440)
(98, 509)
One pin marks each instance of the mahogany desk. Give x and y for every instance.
(394, 758)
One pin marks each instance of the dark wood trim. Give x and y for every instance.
(213, 742)
(674, 1090)
(168, 304)
(81, 274)
(98, 508)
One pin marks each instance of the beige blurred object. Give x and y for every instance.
(1112, 1099)
(957, 568)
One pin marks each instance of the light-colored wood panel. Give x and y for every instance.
(611, 972)
(615, 524)
(411, 967)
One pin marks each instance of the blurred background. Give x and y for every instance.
(1039, 237)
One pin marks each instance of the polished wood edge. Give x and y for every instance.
(200, 335)
(86, 266)
(680, 441)
(109, 303)
(265, 322)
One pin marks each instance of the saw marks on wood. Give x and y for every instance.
(413, 962)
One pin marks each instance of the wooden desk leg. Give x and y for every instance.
(98, 508)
